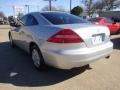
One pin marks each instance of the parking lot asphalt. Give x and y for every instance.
(18, 73)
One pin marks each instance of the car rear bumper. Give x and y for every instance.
(67, 59)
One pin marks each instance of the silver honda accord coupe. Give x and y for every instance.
(60, 39)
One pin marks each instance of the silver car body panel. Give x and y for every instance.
(61, 55)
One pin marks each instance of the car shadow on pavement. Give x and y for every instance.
(116, 42)
(16, 68)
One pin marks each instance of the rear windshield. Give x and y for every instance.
(94, 19)
(63, 18)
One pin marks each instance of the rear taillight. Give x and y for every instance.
(65, 36)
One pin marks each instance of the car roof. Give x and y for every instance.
(46, 12)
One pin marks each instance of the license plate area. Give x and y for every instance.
(98, 38)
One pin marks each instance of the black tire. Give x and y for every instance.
(11, 41)
(118, 32)
(41, 62)
(88, 67)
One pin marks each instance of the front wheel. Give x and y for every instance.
(37, 58)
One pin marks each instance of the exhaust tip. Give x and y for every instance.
(107, 57)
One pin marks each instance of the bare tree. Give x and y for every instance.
(98, 6)
(59, 8)
(46, 8)
(106, 5)
(93, 6)
(89, 6)
(110, 4)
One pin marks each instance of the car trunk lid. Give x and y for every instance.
(92, 35)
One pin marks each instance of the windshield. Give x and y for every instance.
(62, 18)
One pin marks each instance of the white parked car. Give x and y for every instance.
(60, 39)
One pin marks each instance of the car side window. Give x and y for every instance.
(31, 21)
(107, 20)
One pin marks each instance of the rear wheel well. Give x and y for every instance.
(31, 45)
(41, 60)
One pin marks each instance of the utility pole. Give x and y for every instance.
(28, 8)
(70, 5)
(50, 4)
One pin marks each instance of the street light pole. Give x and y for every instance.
(50, 5)
(70, 5)
(28, 8)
